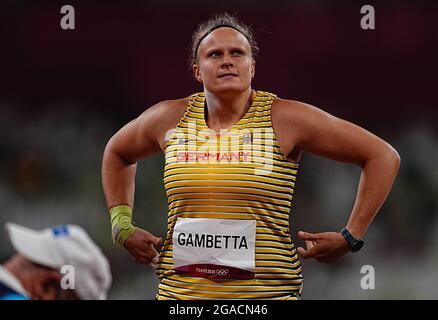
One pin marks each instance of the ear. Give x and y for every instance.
(197, 73)
(253, 63)
(46, 285)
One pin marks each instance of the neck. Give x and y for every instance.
(225, 110)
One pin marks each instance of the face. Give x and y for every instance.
(225, 63)
(44, 285)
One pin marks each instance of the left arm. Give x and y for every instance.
(317, 132)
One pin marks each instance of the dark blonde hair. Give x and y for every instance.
(218, 21)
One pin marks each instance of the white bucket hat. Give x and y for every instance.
(66, 245)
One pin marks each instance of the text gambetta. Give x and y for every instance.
(212, 241)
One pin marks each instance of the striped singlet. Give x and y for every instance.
(241, 174)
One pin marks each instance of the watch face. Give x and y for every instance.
(357, 245)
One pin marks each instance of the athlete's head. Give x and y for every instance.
(223, 54)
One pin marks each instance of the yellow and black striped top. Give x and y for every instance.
(240, 173)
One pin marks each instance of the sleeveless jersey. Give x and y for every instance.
(239, 173)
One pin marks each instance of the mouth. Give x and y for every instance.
(227, 75)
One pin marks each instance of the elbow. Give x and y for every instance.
(386, 156)
(398, 158)
(395, 157)
(391, 158)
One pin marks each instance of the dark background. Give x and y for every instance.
(64, 93)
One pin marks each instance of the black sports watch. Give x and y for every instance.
(353, 243)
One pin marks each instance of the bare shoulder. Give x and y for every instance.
(297, 117)
(166, 111)
(290, 120)
(292, 110)
(159, 119)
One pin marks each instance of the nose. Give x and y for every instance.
(226, 61)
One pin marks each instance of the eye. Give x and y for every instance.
(215, 54)
(237, 53)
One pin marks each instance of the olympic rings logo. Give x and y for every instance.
(222, 272)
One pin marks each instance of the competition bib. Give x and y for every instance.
(214, 248)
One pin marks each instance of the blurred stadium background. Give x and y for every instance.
(64, 93)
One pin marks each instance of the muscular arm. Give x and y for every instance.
(304, 127)
(142, 137)
(138, 139)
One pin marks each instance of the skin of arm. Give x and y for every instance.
(303, 127)
(140, 138)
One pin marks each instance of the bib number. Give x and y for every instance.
(214, 248)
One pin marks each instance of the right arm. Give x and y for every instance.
(142, 137)
(135, 141)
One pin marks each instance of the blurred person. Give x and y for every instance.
(231, 159)
(44, 257)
